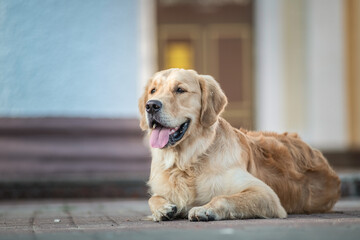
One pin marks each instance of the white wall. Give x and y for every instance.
(68, 58)
(269, 65)
(326, 76)
(316, 77)
(147, 42)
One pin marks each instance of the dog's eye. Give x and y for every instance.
(180, 90)
(153, 91)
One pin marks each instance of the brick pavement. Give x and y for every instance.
(123, 219)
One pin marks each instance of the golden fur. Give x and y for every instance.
(218, 172)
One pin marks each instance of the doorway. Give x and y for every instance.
(213, 38)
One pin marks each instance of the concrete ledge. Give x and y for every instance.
(110, 186)
(74, 189)
(350, 184)
(86, 158)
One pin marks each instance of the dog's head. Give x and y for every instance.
(176, 102)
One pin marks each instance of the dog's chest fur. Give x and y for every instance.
(179, 187)
(188, 181)
(187, 189)
(195, 185)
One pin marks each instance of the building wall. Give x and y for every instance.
(91, 58)
(325, 66)
(300, 70)
(68, 58)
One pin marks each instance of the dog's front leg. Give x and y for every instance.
(252, 202)
(162, 209)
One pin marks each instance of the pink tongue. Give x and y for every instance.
(159, 137)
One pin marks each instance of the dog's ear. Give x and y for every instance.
(141, 104)
(213, 100)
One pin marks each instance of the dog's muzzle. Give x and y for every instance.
(163, 135)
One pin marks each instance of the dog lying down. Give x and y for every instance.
(203, 169)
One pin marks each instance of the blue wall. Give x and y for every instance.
(73, 58)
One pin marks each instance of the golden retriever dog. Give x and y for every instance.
(203, 169)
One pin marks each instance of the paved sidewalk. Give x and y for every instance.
(122, 219)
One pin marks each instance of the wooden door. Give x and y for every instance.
(215, 40)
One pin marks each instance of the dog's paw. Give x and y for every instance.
(203, 214)
(165, 213)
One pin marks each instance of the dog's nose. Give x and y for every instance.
(153, 106)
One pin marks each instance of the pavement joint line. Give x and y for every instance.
(112, 220)
(32, 224)
(66, 210)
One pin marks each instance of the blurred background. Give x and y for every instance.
(71, 73)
